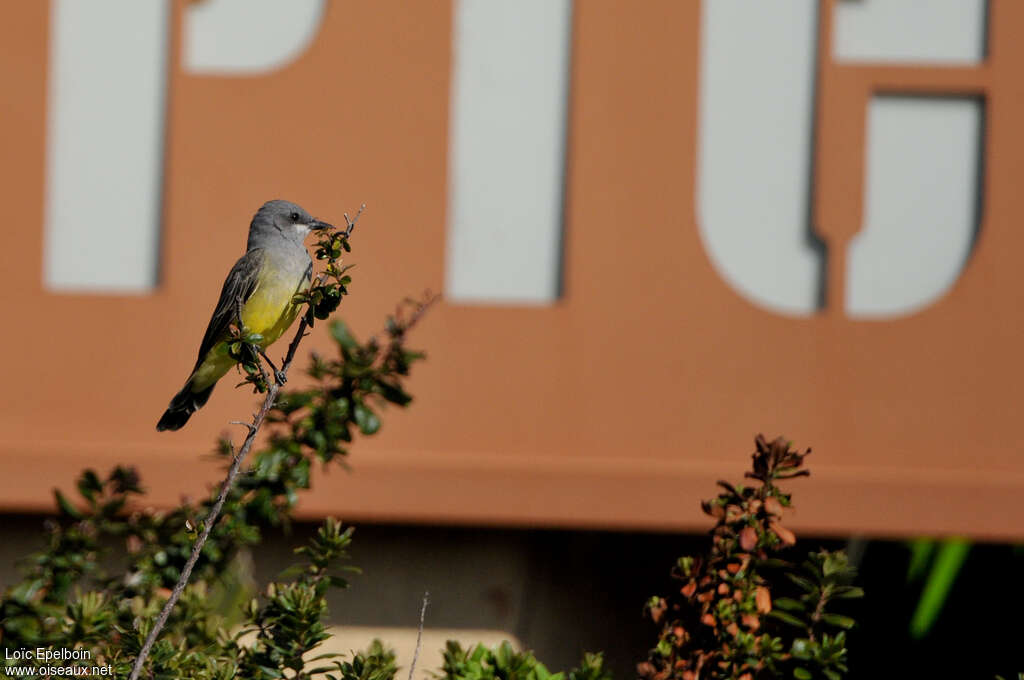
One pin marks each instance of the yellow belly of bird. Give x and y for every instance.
(268, 312)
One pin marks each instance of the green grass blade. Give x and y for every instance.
(950, 558)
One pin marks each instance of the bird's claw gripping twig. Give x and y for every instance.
(280, 377)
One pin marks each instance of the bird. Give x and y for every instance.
(259, 289)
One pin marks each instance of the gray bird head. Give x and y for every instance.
(282, 219)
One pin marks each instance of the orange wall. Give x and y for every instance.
(617, 407)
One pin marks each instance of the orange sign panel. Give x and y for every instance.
(616, 407)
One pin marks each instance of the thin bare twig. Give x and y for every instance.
(422, 305)
(211, 519)
(257, 421)
(419, 634)
(429, 299)
(350, 224)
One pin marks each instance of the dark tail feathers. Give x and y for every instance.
(182, 406)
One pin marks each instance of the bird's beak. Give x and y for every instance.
(318, 225)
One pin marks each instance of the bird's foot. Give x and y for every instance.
(279, 376)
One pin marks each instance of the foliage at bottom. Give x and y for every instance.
(742, 611)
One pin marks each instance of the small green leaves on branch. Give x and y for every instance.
(349, 393)
(242, 347)
(504, 663)
(741, 612)
(327, 289)
(289, 621)
(114, 614)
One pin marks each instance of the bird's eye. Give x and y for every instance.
(295, 217)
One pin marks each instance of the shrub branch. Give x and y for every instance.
(272, 388)
(419, 634)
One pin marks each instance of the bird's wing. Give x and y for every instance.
(241, 283)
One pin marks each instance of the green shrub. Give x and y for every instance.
(741, 611)
(504, 663)
(74, 596)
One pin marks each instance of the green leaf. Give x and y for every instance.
(774, 563)
(89, 485)
(802, 673)
(113, 506)
(802, 583)
(787, 618)
(952, 554)
(393, 393)
(848, 592)
(366, 419)
(66, 507)
(409, 357)
(801, 648)
(789, 604)
(813, 567)
(331, 298)
(839, 620)
(342, 335)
